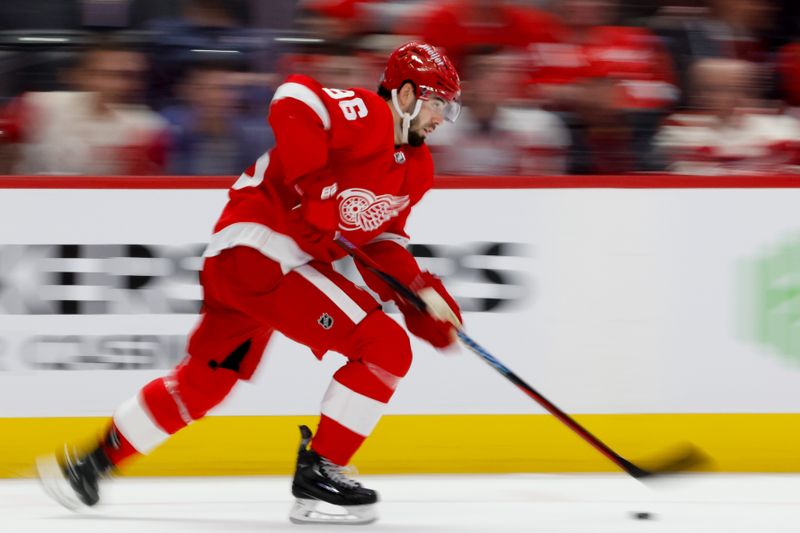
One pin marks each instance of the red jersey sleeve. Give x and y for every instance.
(301, 124)
(317, 128)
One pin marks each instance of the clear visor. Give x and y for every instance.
(448, 109)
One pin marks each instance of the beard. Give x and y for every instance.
(416, 137)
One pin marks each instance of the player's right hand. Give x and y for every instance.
(438, 324)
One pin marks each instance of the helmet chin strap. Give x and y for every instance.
(406, 117)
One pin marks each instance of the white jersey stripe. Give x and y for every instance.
(333, 292)
(307, 96)
(246, 180)
(261, 165)
(134, 421)
(276, 246)
(354, 411)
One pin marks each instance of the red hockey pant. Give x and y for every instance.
(246, 298)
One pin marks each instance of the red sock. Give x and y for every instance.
(116, 446)
(335, 442)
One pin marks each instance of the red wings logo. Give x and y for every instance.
(361, 209)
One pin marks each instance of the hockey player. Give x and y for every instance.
(348, 161)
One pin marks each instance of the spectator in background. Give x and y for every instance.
(210, 133)
(40, 15)
(789, 73)
(336, 21)
(730, 130)
(611, 84)
(738, 29)
(499, 133)
(334, 54)
(464, 26)
(96, 128)
(341, 71)
(206, 30)
(734, 29)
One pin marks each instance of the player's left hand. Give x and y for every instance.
(316, 228)
(323, 215)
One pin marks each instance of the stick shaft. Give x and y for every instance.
(476, 348)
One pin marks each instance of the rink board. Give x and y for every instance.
(654, 311)
(407, 444)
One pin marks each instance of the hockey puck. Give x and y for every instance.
(642, 515)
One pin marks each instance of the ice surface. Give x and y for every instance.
(707, 503)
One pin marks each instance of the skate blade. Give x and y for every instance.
(55, 484)
(306, 511)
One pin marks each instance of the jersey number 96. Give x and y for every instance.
(353, 108)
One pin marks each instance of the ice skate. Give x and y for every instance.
(325, 495)
(71, 480)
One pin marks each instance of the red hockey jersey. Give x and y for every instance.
(332, 143)
(633, 57)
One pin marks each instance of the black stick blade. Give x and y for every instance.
(687, 457)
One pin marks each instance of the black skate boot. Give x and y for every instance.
(72, 480)
(318, 482)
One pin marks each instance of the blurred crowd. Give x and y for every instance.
(181, 87)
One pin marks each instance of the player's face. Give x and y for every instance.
(431, 114)
(114, 75)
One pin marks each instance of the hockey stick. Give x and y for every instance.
(686, 458)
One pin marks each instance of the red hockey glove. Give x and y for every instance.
(323, 215)
(317, 220)
(438, 325)
(317, 228)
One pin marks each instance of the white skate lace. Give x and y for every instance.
(339, 473)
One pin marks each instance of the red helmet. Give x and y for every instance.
(429, 70)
